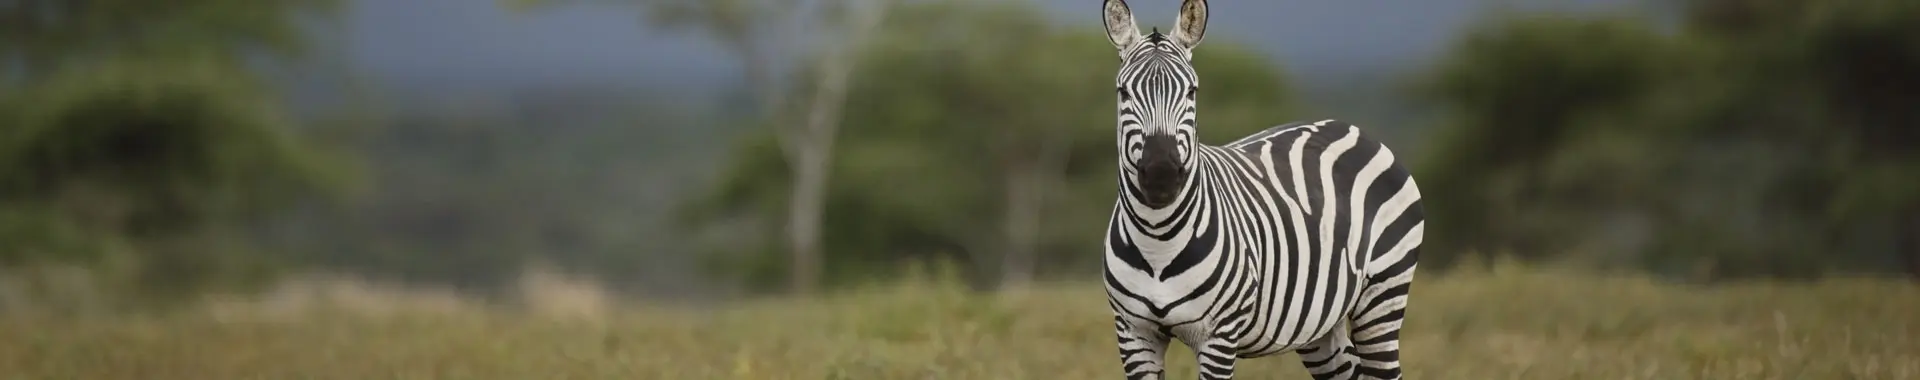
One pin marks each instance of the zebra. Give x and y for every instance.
(1302, 237)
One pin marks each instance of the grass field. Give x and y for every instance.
(1496, 325)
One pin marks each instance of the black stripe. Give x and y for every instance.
(1126, 252)
(1197, 249)
(1398, 230)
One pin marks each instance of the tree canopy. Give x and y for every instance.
(951, 104)
(1742, 144)
(136, 130)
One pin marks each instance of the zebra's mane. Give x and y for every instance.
(1156, 37)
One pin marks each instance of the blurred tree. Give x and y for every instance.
(468, 195)
(1860, 63)
(760, 32)
(971, 135)
(133, 129)
(1514, 90)
(1770, 138)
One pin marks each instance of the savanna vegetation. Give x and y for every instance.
(1697, 189)
(1509, 321)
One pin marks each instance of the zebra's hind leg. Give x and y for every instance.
(1367, 345)
(1330, 357)
(1376, 333)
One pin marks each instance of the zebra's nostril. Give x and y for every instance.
(1161, 145)
(1161, 180)
(1161, 173)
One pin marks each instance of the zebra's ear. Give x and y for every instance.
(1120, 28)
(1192, 25)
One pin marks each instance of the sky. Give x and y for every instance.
(475, 44)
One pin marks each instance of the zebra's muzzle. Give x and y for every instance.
(1162, 172)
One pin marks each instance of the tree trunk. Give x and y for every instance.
(1021, 223)
(804, 217)
(1909, 244)
(1027, 186)
(810, 152)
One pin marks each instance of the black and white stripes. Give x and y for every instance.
(1302, 237)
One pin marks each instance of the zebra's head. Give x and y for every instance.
(1157, 90)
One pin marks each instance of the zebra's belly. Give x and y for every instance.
(1279, 340)
(1292, 320)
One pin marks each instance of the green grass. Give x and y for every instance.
(1503, 325)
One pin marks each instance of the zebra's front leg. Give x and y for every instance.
(1216, 357)
(1142, 356)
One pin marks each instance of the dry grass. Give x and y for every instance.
(1500, 325)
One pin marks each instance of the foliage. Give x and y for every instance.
(1512, 322)
(180, 139)
(133, 133)
(1515, 89)
(468, 196)
(952, 97)
(1759, 133)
